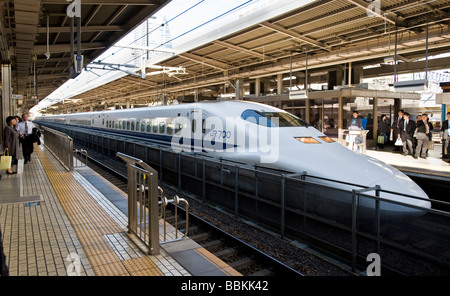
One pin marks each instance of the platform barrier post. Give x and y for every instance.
(60, 145)
(355, 198)
(143, 216)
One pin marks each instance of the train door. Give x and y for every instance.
(197, 121)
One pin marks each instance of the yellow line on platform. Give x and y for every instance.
(91, 223)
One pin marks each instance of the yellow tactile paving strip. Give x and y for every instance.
(91, 223)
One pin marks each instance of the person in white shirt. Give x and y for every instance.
(25, 129)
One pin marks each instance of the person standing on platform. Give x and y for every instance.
(25, 129)
(396, 127)
(383, 129)
(445, 136)
(355, 125)
(423, 133)
(11, 141)
(408, 128)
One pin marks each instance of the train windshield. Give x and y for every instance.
(273, 119)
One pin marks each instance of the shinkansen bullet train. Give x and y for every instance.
(260, 134)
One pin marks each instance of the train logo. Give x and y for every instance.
(221, 135)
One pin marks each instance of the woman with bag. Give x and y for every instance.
(11, 141)
(383, 131)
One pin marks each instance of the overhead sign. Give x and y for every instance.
(411, 85)
(298, 94)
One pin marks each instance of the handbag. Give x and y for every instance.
(20, 164)
(399, 142)
(380, 139)
(430, 145)
(391, 137)
(5, 161)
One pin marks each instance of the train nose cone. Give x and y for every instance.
(406, 199)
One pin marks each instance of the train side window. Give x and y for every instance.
(132, 125)
(149, 127)
(162, 127)
(138, 125)
(193, 125)
(169, 128)
(155, 127)
(120, 124)
(128, 125)
(116, 125)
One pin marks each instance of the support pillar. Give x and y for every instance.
(308, 110)
(341, 112)
(375, 118)
(6, 106)
(258, 87)
(239, 89)
(279, 83)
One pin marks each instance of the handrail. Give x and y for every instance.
(82, 152)
(176, 200)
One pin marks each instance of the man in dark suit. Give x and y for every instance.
(396, 127)
(407, 131)
(423, 136)
(445, 136)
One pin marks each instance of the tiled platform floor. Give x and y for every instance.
(52, 235)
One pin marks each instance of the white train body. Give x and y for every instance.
(249, 132)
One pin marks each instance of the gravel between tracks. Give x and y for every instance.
(282, 250)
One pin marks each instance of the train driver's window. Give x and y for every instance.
(178, 127)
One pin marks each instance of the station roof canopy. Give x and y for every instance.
(332, 32)
(23, 29)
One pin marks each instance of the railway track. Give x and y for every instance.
(243, 257)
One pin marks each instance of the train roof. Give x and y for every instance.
(220, 106)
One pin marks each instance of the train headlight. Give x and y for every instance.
(327, 139)
(307, 140)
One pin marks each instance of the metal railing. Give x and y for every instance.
(79, 162)
(60, 145)
(143, 218)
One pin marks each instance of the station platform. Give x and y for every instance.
(58, 223)
(433, 166)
